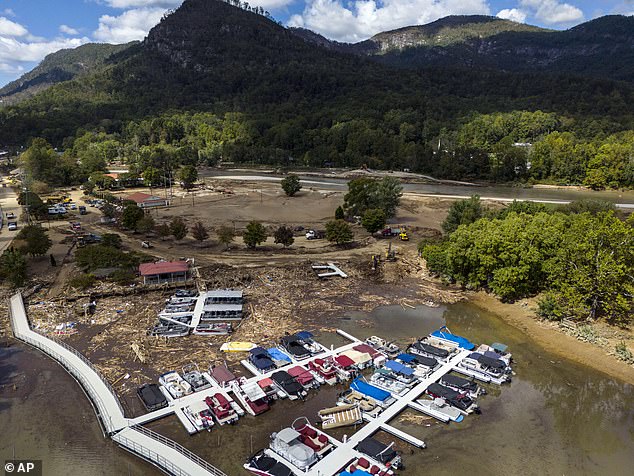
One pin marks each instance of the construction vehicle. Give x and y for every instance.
(390, 254)
(399, 231)
(403, 235)
(146, 245)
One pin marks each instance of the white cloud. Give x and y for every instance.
(8, 12)
(68, 30)
(552, 11)
(10, 28)
(512, 14)
(13, 52)
(358, 20)
(143, 3)
(272, 4)
(130, 25)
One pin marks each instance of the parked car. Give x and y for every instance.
(12, 225)
(314, 235)
(10, 215)
(82, 210)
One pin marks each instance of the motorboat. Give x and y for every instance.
(251, 397)
(363, 466)
(376, 395)
(192, 375)
(346, 368)
(376, 358)
(261, 360)
(460, 384)
(304, 377)
(168, 330)
(496, 351)
(461, 401)
(383, 453)
(185, 293)
(279, 358)
(293, 345)
(222, 411)
(390, 349)
(237, 346)
(440, 410)
(307, 340)
(366, 404)
(362, 360)
(420, 364)
(213, 329)
(181, 300)
(428, 350)
(400, 372)
(496, 370)
(287, 444)
(200, 415)
(175, 385)
(152, 397)
(287, 384)
(384, 379)
(325, 368)
(222, 376)
(271, 389)
(177, 308)
(341, 415)
(264, 463)
(444, 334)
(312, 437)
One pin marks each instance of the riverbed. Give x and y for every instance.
(556, 417)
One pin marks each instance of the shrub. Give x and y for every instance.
(83, 281)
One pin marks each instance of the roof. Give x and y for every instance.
(344, 361)
(265, 382)
(140, 197)
(222, 374)
(163, 267)
(113, 175)
(287, 435)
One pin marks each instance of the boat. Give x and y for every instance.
(461, 401)
(325, 368)
(261, 360)
(304, 377)
(181, 300)
(362, 360)
(287, 444)
(221, 409)
(279, 358)
(494, 369)
(192, 375)
(365, 403)
(377, 358)
(152, 397)
(421, 364)
(376, 395)
(200, 416)
(341, 415)
(237, 346)
(363, 467)
(177, 308)
(400, 372)
(496, 351)
(287, 384)
(440, 410)
(213, 329)
(346, 368)
(312, 437)
(222, 376)
(462, 385)
(427, 350)
(251, 397)
(175, 385)
(444, 334)
(307, 340)
(271, 390)
(264, 464)
(384, 379)
(293, 345)
(168, 330)
(384, 454)
(390, 349)
(185, 293)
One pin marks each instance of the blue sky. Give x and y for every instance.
(30, 29)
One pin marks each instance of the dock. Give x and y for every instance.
(331, 269)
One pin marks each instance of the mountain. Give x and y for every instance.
(57, 67)
(603, 47)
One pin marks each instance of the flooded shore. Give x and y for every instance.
(570, 418)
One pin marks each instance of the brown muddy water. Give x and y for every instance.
(556, 417)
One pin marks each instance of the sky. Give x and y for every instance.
(31, 29)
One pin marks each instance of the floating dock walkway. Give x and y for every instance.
(162, 452)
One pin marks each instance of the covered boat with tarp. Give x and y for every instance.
(152, 397)
(381, 452)
(361, 360)
(222, 375)
(288, 445)
(401, 370)
(378, 358)
(263, 464)
(459, 400)
(491, 369)
(444, 334)
(427, 350)
(303, 376)
(261, 359)
(252, 397)
(381, 397)
(280, 359)
(287, 384)
(293, 345)
(461, 385)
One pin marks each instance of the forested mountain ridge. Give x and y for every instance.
(57, 67)
(213, 80)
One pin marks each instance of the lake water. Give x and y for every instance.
(555, 418)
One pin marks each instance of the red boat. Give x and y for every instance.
(326, 368)
(303, 377)
(221, 409)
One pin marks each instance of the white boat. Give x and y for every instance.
(200, 415)
(193, 376)
(497, 351)
(386, 382)
(440, 410)
(174, 300)
(301, 445)
(175, 385)
(341, 415)
(251, 396)
(495, 369)
(388, 348)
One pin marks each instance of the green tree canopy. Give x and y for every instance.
(188, 176)
(463, 212)
(35, 240)
(373, 220)
(225, 235)
(178, 228)
(254, 234)
(339, 232)
(131, 216)
(339, 214)
(13, 267)
(284, 236)
(199, 232)
(367, 193)
(291, 185)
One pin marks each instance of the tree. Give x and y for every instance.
(163, 230)
(40, 162)
(339, 232)
(225, 235)
(145, 224)
(178, 228)
(36, 241)
(132, 214)
(291, 185)
(367, 193)
(373, 220)
(463, 212)
(111, 239)
(284, 236)
(339, 215)
(188, 176)
(254, 234)
(34, 204)
(390, 191)
(199, 232)
(152, 177)
(13, 267)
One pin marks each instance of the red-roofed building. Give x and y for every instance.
(145, 200)
(164, 272)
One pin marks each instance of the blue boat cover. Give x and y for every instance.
(492, 355)
(443, 333)
(304, 335)
(369, 390)
(405, 358)
(398, 368)
(258, 351)
(277, 354)
(357, 472)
